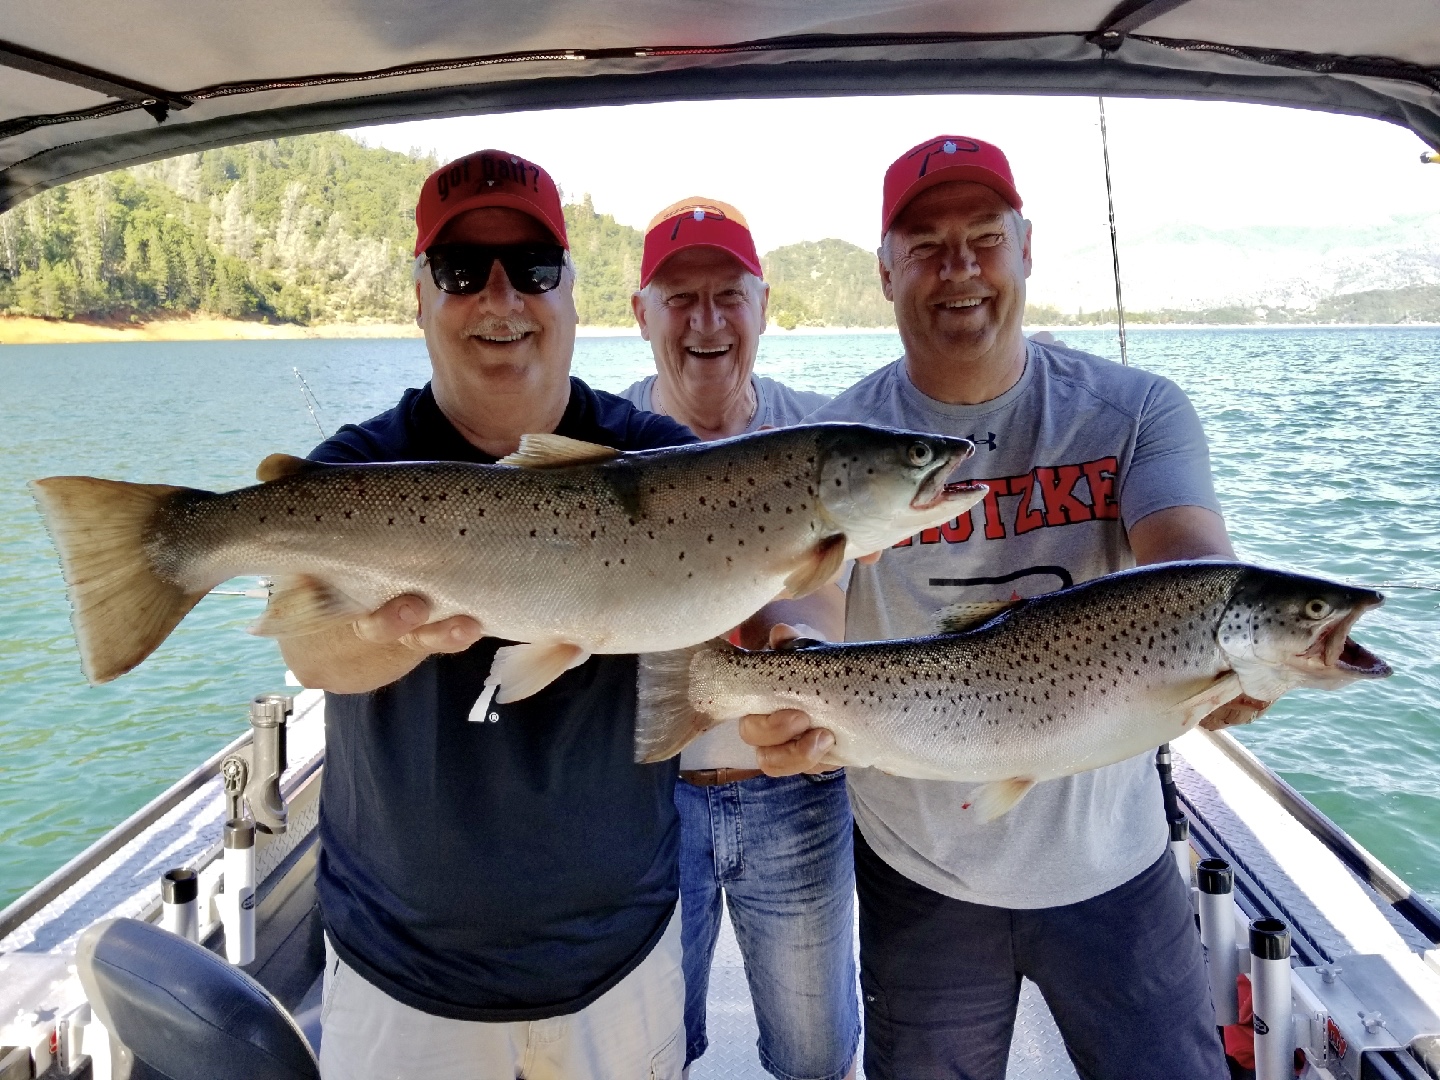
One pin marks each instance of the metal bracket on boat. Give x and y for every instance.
(252, 774)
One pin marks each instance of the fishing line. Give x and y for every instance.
(311, 402)
(1114, 243)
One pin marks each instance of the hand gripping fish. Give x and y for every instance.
(568, 547)
(1048, 687)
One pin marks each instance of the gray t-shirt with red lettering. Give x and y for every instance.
(1075, 453)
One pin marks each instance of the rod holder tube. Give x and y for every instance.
(1180, 846)
(1272, 1001)
(238, 910)
(1216, 883)
(179, 906)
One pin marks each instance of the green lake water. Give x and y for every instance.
(1325, 459)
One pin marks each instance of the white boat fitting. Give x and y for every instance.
(1362, 965)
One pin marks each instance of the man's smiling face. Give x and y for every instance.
(954, 263)
(499, 340)
(703, 314)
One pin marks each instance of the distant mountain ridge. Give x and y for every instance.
(319, 229)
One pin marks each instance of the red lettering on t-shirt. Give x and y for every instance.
(1057, 485)
(959, 530)
(1026, 518)
(994, 526)
(904, 543)
(930, 536)
(1101, 475)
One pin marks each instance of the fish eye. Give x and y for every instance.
(920, 454)
(1317, 609)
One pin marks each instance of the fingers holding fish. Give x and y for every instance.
(405, 620)
(787, 742)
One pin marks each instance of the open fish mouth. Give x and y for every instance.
(1343, 653)
(934, 491)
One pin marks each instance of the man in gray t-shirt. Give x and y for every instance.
(777, 848)
(1092, 468)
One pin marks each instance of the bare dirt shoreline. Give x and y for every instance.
(21, 330)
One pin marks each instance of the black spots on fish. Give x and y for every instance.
(732, 504)
(262, 517)
(532, 533)
(392, 521)
(682, 557)
(462, 532)
(290, 511)
(702, 497)
(670, 521)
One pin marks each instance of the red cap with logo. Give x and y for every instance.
(487, 178)
(939, 161)
(697, 222)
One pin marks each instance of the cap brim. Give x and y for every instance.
(744, 260)
(484, 199)
(976, 174)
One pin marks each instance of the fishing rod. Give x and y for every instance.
(1114, 242)
(312, 403)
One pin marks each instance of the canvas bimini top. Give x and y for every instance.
(90, 85)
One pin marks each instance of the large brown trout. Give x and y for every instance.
(569, 547)
(1048, 687)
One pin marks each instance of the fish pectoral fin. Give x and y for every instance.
(957, 618)
(1196, 707)
(556, 451)
(303, 605)
(998, 797)
(522, 670)
(279, 466)
(822, 564)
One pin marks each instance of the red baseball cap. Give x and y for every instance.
(697, 222)
(487, 178)
(939, 161)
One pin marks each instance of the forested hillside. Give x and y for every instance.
(319, 229)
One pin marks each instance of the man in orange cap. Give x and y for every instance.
(1092, 467)
(498, 882)
(777, 848)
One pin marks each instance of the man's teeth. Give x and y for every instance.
(968, 302)
(503, 338)
(709, 352)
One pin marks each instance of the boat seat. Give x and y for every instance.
(184, 1011)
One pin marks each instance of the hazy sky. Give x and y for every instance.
(809, 169)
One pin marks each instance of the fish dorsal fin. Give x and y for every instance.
(280, 466)
(556, 451)
(957, 618)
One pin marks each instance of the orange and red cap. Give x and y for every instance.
(939, 161)
(487, 178)
(697, 222)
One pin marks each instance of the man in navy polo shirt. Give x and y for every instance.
(498, 884)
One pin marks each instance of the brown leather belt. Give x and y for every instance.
(713, 777)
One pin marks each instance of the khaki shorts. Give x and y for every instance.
(633, 1031)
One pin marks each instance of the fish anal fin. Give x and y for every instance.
(957, 618)
(823, 564)
(557, 451)
(998, 797)
(301, 605)
(279, 466)
(522, 670)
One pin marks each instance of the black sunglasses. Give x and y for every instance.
(465, 268)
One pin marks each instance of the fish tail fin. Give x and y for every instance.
(666, 720)
(121, 608)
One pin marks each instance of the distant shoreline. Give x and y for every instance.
(22, 330)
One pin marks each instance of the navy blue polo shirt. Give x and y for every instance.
(510, 869)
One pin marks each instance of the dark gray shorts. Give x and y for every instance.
(1122, 972)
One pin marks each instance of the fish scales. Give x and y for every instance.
(1002, 701)
(1056, 685)
(565, 547)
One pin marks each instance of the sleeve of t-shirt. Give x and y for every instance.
(1171, 463)
(348, 446)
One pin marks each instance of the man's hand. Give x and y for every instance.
(1240, 711)
(376, 649)
(785, 741)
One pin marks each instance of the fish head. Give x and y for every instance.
(1283, 630)
(878, 485)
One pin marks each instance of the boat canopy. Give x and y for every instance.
(87, 85)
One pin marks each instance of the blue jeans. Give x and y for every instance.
(781, 851)
(1122, 972)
